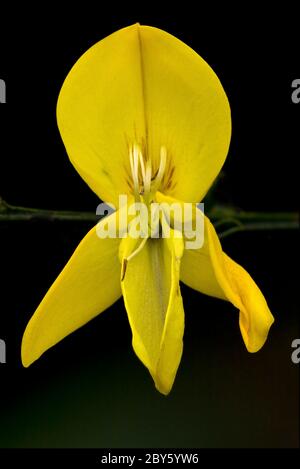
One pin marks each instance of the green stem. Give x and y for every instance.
(229, 212)
(232, 219)
(238, 220)
(261, 226)
(13, 213)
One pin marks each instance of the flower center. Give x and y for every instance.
(145, 184)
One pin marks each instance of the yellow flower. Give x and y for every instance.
(142, 114)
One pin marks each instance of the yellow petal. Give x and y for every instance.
(100, 112)
(154, 306)
(143, 85)
(89, 283)
(210, 271)
(187, 112)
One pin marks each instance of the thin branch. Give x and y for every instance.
(14, 213)
(234, 219)
(226, 212)
(260, 226)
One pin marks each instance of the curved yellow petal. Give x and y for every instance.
(100, 112)
(89, 283)
(210, 271)
(187, 112)
(197, 271)
(142, 85)
(154, 306)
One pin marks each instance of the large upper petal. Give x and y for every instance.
(89, 283)
(154, 306)
(100, 112)
(187, 111)
(143, 85)
(210, 271)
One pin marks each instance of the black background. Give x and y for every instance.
(91, 390)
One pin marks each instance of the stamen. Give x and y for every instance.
(142, 165)
(133, 157)
(143, 182)
(131, 160)
(131, 256)
(136, 163)
(138, 249)
(147, 180)
(162, 164)
(161, 170)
